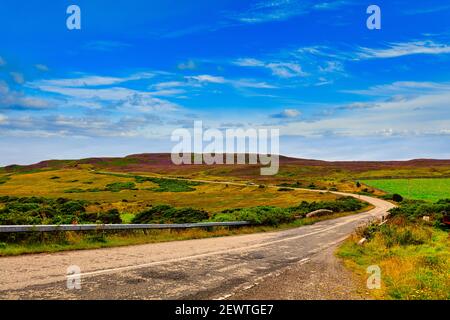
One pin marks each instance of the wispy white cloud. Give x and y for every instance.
(102, 92)
(116, 97)
(280, 69)
(2, 61)
(206, 78)
(400, 49)
(279, 10)
(86, 81)
(71, 126)
(424, 113)
(3, 118)
(169, 84)
(239, 83)
(188, 65)
(287, 113)
(332, 67)
(402, 88)
(17, 77)
(41, 67)
(10, 99)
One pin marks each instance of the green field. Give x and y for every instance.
(419, 189)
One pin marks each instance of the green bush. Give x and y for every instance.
(33, 210)
(296, 184)
(264, 215)
(4, 179)
(394, 197)
(268, 215)
(169, 185)
(343, 204)
(119, 186)
(415, 209)
(110, 217)
(285, 189)
(169, 214)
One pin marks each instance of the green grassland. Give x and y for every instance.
(418, 189)
(129, 194)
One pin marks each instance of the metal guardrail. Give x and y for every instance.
(87, 227)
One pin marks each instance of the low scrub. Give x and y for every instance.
(35, 210)
(412, 210)
(119, 186)
(169, 214)
(169, 185)
(4, 179)
(394, 197)
(267, 215)
(413, 254)
(264, 215)
(343, 204)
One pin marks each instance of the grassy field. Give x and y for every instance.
(213, 197)
(418, 189)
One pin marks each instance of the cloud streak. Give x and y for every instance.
(280, 10)
(400, 49)
(279, 69)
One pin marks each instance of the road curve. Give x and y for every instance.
(212, 268)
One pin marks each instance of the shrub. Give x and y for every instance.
(35, 210)
(169, 214)
(394, 197)
(119, 186)
(112, 216)
(297, 184)
(4, 179)
(415, 209)
(403, 235)
(169, 185)
(285, 189)
(264, 215)
(343, 204)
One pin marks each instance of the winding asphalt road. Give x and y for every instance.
(214, 268)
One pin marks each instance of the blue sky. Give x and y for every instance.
(137, 70)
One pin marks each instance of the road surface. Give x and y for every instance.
(214, 268)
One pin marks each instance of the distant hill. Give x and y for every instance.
(161, 163)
